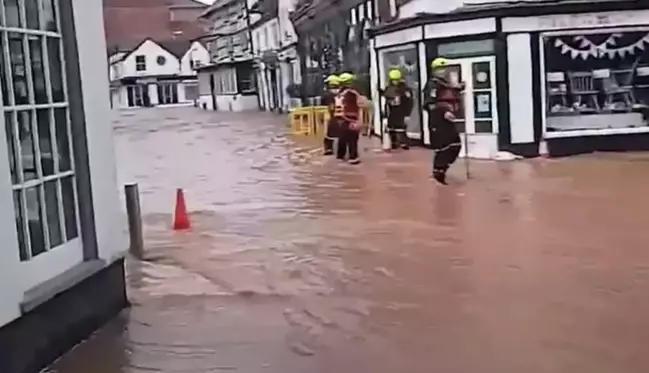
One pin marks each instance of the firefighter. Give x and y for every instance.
(443, 102)
(399, 102)
(328, 99)
(348, 116)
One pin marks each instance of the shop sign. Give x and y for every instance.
(591, 20)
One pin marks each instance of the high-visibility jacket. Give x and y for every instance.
(346, 106)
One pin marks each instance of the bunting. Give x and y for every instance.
(609, 48)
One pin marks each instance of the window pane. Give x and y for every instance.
(48, 15)
(62, 139)
(31, 13)
(13, 156)
(17, 54)
(53, 216)
(34, 216)
(20, 227)
(38, 70)
(28, 152)
(45, 141)
(483, 126)
(3, 73)
(481, 75)
(56, 69)
(69, 207)
(12, 11)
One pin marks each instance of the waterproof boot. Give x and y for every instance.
(440, 176)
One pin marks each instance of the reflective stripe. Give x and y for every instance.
(397, 129)
(448, 146)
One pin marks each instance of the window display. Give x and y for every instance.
(597, 80)
(406, 61)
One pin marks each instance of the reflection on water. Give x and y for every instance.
(300, 264)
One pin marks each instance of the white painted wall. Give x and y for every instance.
(17, 277)
(197, 53)
(151, 51)
(286, 29)
(521, 107)
(235, 103)
(266, 36)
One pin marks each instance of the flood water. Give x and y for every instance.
(299, 264)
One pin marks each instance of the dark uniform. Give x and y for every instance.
(347, 113)
(329, 100)
(398, 106)
(443, 97)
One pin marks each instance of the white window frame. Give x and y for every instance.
(54, 260)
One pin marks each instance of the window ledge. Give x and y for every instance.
(596, 132)
(47, 290)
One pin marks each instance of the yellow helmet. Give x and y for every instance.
(439, 62)
(333, 80)
(394, 74)
(346, 78)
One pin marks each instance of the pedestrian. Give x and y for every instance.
(329, 100)
(399, 102)
(347, 111)
(443, 102)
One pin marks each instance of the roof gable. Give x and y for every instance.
(177, 48)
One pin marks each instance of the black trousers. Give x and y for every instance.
(397, 131)
(398, 138)
(347, 143)
(331, 134)
(445, 157)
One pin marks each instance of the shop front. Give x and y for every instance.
(470, 47)
(590, 72)
(568, 80)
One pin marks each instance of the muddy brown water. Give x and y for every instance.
(300, 264)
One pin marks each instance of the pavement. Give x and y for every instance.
(297, 263)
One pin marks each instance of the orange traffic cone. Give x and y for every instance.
(181, 218)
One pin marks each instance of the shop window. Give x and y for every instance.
(167, 93)
(245, 75)
(596, 80)
(137, 95)
(191, 91)
(405, 59)
(38, 128)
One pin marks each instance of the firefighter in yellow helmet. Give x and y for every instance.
(347, 113)
(443, 102)
(328, 99)
(398, 106)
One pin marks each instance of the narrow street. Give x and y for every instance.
(301, 264)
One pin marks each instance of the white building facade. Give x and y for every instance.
(275, 45)
(61, 258)
(227, 82)
(157, 73)
(542, 78)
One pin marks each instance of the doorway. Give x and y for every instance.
(480, 116)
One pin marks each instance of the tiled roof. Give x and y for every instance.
(128, 22)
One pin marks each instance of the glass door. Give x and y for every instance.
(479, 118)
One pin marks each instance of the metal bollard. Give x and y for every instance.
(134, 213)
